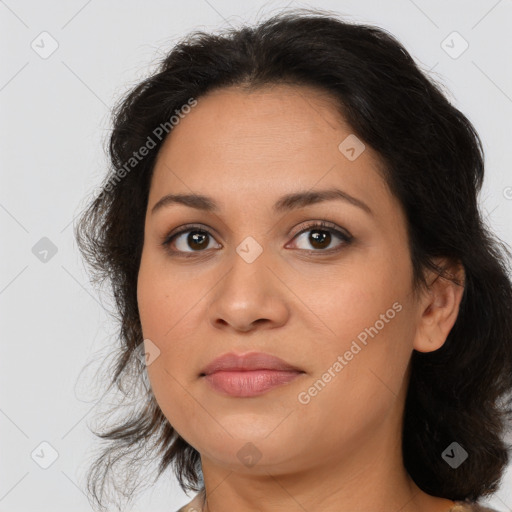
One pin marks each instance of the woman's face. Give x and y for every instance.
(264, 279)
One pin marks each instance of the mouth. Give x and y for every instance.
(249, 383)
(248, 375)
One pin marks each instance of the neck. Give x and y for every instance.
(372, 479)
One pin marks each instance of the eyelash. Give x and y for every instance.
(318, 225)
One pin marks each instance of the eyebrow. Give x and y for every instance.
(286, 203)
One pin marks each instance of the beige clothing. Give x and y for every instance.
(460, 506)
(470, 507)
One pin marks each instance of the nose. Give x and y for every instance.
(250, 296)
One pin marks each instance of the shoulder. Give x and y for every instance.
(467, 506)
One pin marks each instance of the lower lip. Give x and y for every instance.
(249, 383)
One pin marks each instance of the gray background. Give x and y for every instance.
(54, 122)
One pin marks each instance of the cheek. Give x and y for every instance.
(360, 373)
(164, 320)
(169, 312)
(357, 301)
(170, 321)
(161, 302)
(366, 338)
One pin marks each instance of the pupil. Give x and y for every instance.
(318, 239)
(196, 240)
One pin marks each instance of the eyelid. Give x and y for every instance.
(324, 225)
(169, 237)
(183, 228)
(321, 225)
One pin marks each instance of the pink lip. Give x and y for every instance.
(249, 383)
(249, 374)
(245, 362)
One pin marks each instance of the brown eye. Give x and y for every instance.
(320, 236)
(196, 240)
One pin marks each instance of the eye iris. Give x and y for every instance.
(196, 240)
(319, 237)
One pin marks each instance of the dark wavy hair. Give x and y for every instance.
(433, 162)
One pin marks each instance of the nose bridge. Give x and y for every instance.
(248, 293)
(249, 270)
(250, 250)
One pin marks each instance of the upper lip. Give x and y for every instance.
(246, 362)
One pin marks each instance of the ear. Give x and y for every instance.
(439, 307)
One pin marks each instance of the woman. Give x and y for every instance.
(292, 235)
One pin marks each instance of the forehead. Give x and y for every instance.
(260, 142)
(273, 120)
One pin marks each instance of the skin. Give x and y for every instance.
(342, 450)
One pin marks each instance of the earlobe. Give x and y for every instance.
(439, 308)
